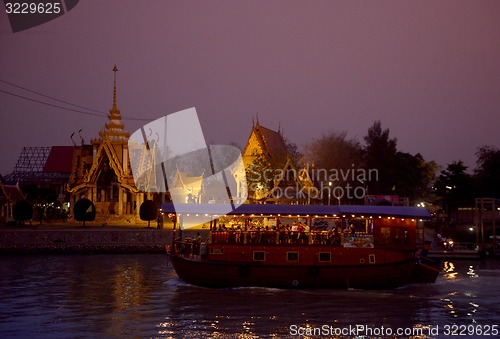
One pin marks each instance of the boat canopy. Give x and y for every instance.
(303, 210)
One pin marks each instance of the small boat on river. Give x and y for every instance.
(302, 246)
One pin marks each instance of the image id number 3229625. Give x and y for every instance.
(32, 7)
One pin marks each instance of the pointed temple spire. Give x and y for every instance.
(114, 129)
(114, 89)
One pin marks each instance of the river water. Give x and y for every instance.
(140, 296)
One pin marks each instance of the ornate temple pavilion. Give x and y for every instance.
(101, 171)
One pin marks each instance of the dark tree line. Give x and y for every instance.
(398, 173)
(407, 175)
(457, 187)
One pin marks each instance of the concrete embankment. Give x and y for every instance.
(83, 240)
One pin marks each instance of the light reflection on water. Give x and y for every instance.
(140, 296)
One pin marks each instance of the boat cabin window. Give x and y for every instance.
(259, 256)
(401, 236)
(385, 235)
(324, 257)
(393, 236)
(292, 256)
(217, 251)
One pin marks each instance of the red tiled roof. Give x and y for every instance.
(13, 193)
(59, 160)
(274, 141)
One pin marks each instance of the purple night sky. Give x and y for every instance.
(429, 70)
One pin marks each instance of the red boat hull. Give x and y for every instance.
(222, 274)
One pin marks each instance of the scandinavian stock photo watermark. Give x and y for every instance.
(363, 330)
(174, 146)
(334, 184)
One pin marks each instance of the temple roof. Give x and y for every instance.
(12, 192)
(184, 180)
(59, 160)
(273, 140)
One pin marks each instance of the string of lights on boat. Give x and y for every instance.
(291, 211)
(293, 216)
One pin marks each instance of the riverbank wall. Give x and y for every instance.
(83, 240)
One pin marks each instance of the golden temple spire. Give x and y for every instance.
(114, 88)
(114, 129)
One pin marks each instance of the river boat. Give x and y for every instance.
(302, 246)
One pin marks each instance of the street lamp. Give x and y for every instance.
(329, 191)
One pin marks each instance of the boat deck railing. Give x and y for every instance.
(190, 246)
(272, 237)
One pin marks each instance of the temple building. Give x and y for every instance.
(272, 175)
(9, 196)
(101, 171)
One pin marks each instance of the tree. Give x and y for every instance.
(148, 211)
(334, 151)
(293, 151)
(260, 176)
(335, 162)
(22, 211)
(412, 175)
(84, 210)
(454, 187)
(381, 156)
(487, 172)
